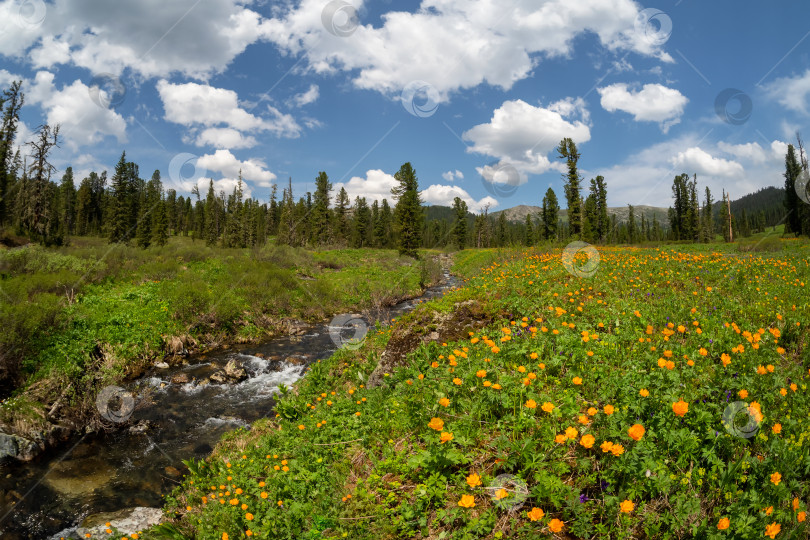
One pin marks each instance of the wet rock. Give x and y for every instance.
(162, 365)
(79, 477)
(141, 427)
(298, 359)
(127, 521)
(218, 377)
(12, 446)
(259, 355)
(181, 378)
(172, 471)
(235, 372)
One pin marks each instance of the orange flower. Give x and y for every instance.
(777, 428)
(249, 516)
(474, 480)
(761, 370)
(531, 404)
(467, 501)
(560, 439)
(723, 524)
(571, 433)
(627, 506)
(587, 440)
(592, 411)
(776, 478)
(436, 423)
(644, 392)
(795, 503)
(773, 529)
(547, 407)
(608, 409)
(743, 394)
(481, 373)
(617, 450)
(457, 381)
(636, 432)
(501, 494)
(444, 402)
(606, 446)
(555, 525)
(535, 514)
(577, 380)
(680, 408)
(445, 437)
(801, 516)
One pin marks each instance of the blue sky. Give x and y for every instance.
(474, 94)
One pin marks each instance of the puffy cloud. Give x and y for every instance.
(305, 98)
(752, 151)
(791, 92)
(453, 175)
(217, 109)
(459, 44)
(376, 186)
(82, 120)
(228, 165)
(151, 37)
(697, 160)
(522, 135)
(444, 195)
(653, 103)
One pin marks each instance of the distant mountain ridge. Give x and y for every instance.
(518, 213)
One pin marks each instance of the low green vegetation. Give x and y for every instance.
(664, 397)
(79, 317)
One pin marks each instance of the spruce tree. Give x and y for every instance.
(408, 211)
(549, 215)
(11, 102)
(320, 230)
(792, 201)
(568, 150)
(460, 224)
(362, 220)
(528, 238)
(342, 216)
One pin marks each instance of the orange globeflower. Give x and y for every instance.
(801, 516)
(617, 450)
(571, 432)
(636, 432)
(457, 381)
(535, 514)
(680, 408)
(776, 478)
(436, 423)
(608, 409)
(627, 506)
(577, 380)
(587, 440)
(644, 392)
(481, 373)
(501, 494)
(561, 438)
(777, 428)
(547, 407)
(743, 394)
(723, 524)
(467, 501)
(444, 402)
(474, 480)
(773, 529)
(445, 437)
(795, 503)
(555, 525)
(606, 446)
(531, 404)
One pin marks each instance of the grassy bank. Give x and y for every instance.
(663, 397)
(78, 318)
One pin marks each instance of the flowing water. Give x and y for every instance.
(135, 467)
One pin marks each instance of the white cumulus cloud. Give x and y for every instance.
(653, 103)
